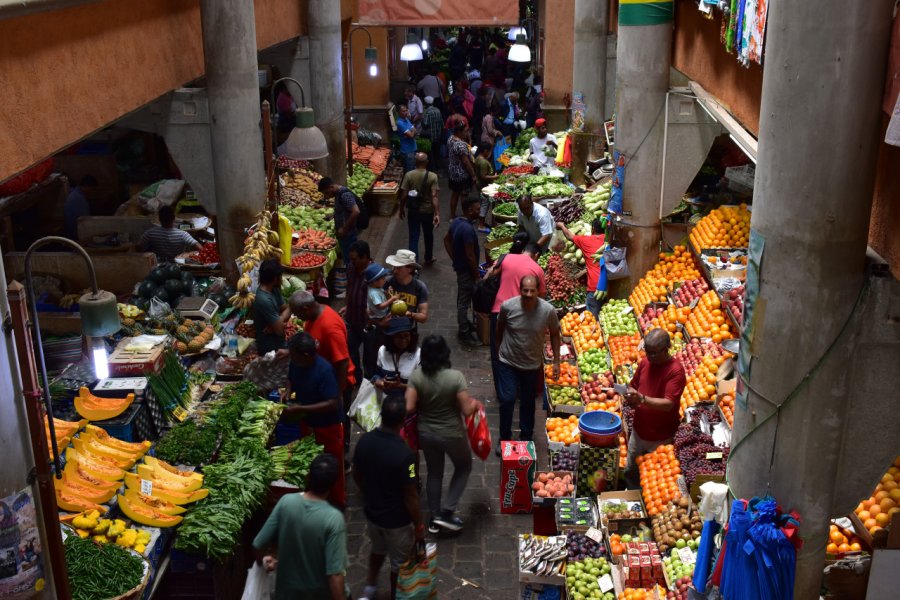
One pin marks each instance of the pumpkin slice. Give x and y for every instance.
(108, 455)
(145, 515)
(182, 484)
(161, 464)
(93, 467)
(163, 506)
(102, 436)
(71, 503)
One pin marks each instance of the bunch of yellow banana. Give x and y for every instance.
(244, 282)
(242, 299)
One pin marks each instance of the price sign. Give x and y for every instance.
(594, 534)
(179, 413)
(563, 351)
(694, 303)
(687, 556)
(605, 583)
(713, 456)
(630, 309)
(146, 487)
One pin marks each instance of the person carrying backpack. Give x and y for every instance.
(350, 214)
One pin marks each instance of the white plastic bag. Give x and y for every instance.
(366, 407)
(260, 584)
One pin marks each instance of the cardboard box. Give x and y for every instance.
(518, 464)
(529, 577)
(539, 501)
(576, 514)
(590, 461)
(628, 496)
(563, 409)
(483, 328)
(132, 364)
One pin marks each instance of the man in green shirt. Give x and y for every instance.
(484, 174)
(270, 312)
(419, 201)
(310, 536)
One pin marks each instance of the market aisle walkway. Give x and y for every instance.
(484, 553)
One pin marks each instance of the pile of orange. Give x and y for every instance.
(679, 265)
(841, 540)
(724, 227)
(642, 594)
(707, 320)
(701, 385)
(726, 403)
(587, 339)
(623, 450)
(623, 349)
(563, 430)
(574, 321)
(615, 545)
(610, 404)
(568, 375)
(876, 512)
(670, 318)
(659, 472)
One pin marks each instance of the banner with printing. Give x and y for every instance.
(433, 13)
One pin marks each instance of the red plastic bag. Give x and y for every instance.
(479, 433)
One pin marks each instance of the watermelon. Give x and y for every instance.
(158, 275)
(162, 295)
(146, 289)
(172, 271)
(173, 286)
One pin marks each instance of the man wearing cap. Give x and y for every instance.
(433, 129)
(419, 201)
(346, 212)
(539, 146)
(407, 286)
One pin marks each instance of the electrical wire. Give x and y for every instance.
(796, 391)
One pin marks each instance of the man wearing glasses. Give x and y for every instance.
(655, 394)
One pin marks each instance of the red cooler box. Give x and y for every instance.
(518, 464)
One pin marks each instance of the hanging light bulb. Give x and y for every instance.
(520, 52)
(424, 45)
(371, 55)
(516, 31)
(411, 49)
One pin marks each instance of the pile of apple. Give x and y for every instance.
(593, 361)
(681, 589)
(615, 320)
(734, 302)
(693, 353)
(675, 568)
(653, 287)
(690, 291)
(597, 397)
(582, 579)
(666, 318)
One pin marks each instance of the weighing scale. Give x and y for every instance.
(197, 308)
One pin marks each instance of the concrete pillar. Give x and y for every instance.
(643, 56)
(229, 52)
(820, 108)
(589, 59)
(327, 97)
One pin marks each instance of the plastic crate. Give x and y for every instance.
(158, 414)
(134, 425)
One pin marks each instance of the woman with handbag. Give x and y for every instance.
(397, 359)
(441, 397)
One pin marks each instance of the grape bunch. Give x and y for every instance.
(580, 547)
(563, 460)
(692, 447)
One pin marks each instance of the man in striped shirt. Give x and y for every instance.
(165, 240)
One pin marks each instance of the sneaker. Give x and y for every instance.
(369, 593)
(448, 520)
(469, 338)
(429, 263)
(433, 528)
(497, 449)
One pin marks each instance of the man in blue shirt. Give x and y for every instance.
(312, 397)
(461, 243)
(407, 132)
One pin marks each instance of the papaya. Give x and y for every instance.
(80, 477)
(173, 482)
(103, 436)
(163, 506)
(71, 503)
(95, 468)
(109, 455)
(163, 465)
(133, 482)
(94, 408)
(145, 515)
(70, 488)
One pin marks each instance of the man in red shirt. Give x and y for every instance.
(328, 328)
(655, 394)
(596, 270)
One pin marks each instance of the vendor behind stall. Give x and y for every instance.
(536, 221)
(596, 269)
(165, 240)
(270, 312)
(78, 205)
(655, 394)
(538, 146)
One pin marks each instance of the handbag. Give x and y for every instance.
(418, 580)
(616, 264)
(479, 433)
(485, 292)
(366, 407)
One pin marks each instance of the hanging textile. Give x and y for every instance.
(758, 32)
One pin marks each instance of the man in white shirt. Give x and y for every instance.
(536, 221)
(414, 105)
(539, 143)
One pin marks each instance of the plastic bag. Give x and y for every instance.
(260, 584)
(418, 580)
(479, 433)
(616, 264)
(158, 309)
(499, 148)
(366, 407)
(268, 372)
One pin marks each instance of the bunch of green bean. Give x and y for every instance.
(99, 571)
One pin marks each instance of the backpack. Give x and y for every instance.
(362, 221)
(485, 292)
